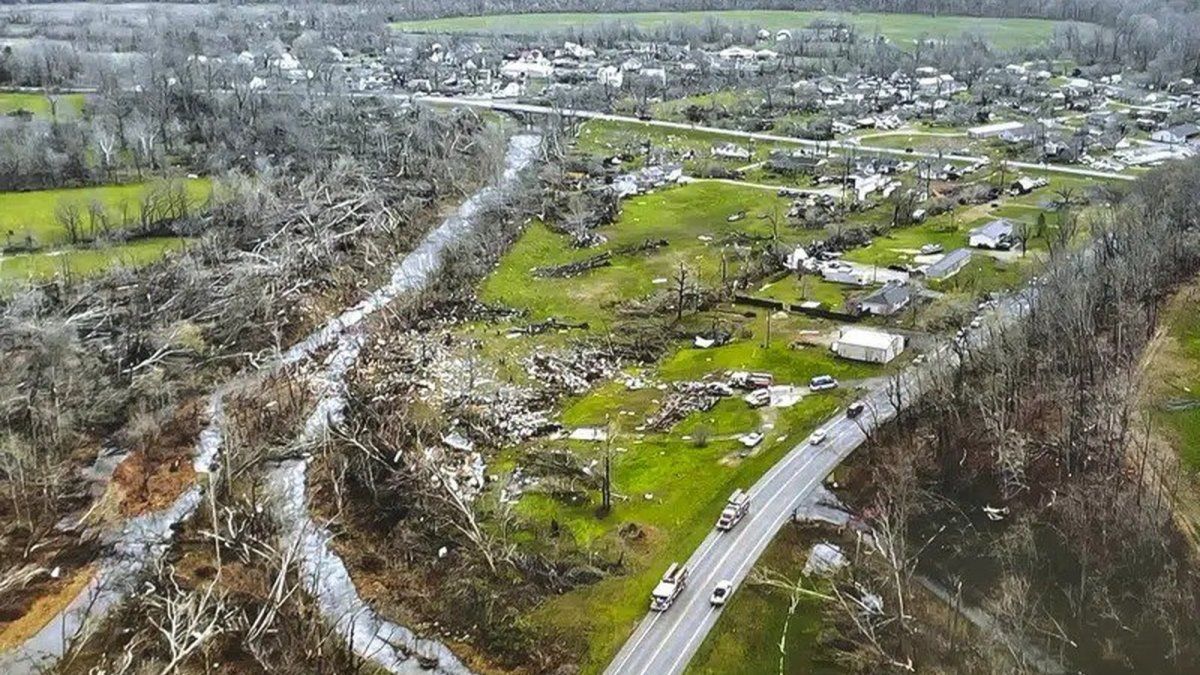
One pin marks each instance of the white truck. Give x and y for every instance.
(737, 507)
(669, 588)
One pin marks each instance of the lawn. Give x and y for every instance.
(69, 105)
(30, 218)
(1175, 374)
(747, 634)
(670, 484)
(85, 261)
(899, 28)
(680, 215)
(674, 491)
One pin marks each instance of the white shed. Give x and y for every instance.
(872, 346)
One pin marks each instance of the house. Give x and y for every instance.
(887, 300)
(794, 163)
(731, 151)
(1176, 134)
(872, 346)
(994, 130)
(1024, 185)
(997, 234)
(844, 275)
(949, 264)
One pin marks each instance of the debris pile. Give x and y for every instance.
(687, 398)
(599, 260)
(572, 371)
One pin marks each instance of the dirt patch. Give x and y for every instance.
(55, 598)
(158, 470)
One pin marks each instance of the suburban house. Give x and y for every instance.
(887, 300)
(994, 130)
(858, 344)
(731, 151)
(997, 234)
(794, 163)
(1025, 184)
(950, 264)
(1176, 134)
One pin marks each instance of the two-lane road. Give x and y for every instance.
(664, 642)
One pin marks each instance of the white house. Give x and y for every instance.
(995, 235)
(996, 129)
(731, 151)
(859, 344)
(1177, 134)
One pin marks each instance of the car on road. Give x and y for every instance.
(818, 437)
(822, 383)
(721, 593)
(855, 409)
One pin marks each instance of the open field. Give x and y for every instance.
(40, 105)
(899, 28)
(30, 219)
(85, 261)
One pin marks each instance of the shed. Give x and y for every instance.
(949, 264)
(859, 344)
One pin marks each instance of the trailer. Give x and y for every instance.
(735, 509)
(669, 587)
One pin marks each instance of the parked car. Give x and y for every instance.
(976, 322)
(818, 437)
(930, 249)
(721, 593)
(822, 383)
(855, 409)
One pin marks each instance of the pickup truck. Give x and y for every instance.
(669, 587)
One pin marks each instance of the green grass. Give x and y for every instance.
(69, 105)
(900, 28)
(679, 215)
(793, 290)
(85, 261)
(746, 636)
(688, 486)
(31, 217)
(1176, 373)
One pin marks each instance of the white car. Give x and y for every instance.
(721, 593)
(818, 437)
(822, 383)
(976, 322)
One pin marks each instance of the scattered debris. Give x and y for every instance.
(824, 559)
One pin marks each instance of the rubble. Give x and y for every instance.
(687, 398)
(604, 259)
(573, 371)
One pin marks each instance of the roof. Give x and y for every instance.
(891, 295)
(871, 339)
(996, 229)
(948, 262)
(1184, 130)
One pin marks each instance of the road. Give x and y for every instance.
(529, 109)
(664, 642)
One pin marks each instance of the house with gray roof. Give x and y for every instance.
(886, 300)
(949, 265)
(995, 235)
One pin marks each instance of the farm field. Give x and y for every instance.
(29, 219)
(899, 28)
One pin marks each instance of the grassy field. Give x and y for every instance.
(85, 261)
(899, 28)
(29, 218)
(670, 484)
(747, 635)
(69, 105)
(1175, 374)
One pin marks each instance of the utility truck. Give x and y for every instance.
(669, 588)
(737, 507)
